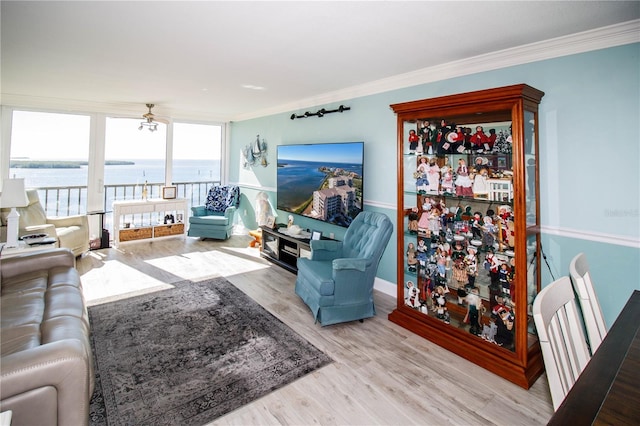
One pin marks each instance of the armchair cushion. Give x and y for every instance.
(221, 197)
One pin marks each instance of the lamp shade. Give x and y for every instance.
(13, 193)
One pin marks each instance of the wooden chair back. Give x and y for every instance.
(561, 335)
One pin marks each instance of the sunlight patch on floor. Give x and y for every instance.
(123, 281)
(221, 262)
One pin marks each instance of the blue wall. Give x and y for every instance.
(589, 156)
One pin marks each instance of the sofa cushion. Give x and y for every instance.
(19, 338)
(22, 308)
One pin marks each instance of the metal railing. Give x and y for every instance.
(72, 200)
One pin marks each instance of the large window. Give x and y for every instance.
(49, 150)
(132, 156)
(196, 152)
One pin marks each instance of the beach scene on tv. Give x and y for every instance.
(321, 181)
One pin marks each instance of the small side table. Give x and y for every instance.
(25, 248)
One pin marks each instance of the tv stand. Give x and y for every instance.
(282, 249)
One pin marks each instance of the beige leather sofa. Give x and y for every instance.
(46, 364)
(72, 232)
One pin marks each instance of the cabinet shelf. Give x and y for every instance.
(468, 220)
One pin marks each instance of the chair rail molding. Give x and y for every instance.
(598, 237)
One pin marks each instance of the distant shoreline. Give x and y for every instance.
(47, 164)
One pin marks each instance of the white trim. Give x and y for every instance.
(386, 287)
(592, 236)
(600, 38)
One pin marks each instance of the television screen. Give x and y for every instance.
(321, 181)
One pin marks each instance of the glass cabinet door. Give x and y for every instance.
(458, 236)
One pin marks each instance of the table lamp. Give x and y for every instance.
(13, 195)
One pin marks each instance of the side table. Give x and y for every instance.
(25, 248)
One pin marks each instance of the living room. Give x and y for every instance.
(591, 103)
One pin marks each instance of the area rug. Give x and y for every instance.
(190, 354)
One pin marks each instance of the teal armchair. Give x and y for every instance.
(337, 281)
(215, 218)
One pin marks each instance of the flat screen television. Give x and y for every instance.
(322, 181)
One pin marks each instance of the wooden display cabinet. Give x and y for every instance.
(467, 201)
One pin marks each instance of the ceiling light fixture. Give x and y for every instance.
(149, 123)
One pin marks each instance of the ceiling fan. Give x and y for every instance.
(151, 123)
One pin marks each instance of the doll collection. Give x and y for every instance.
(460, 250)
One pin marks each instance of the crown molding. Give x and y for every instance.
(600, 38)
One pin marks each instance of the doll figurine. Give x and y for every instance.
(412, 295)
(412, 261)
(433, 174)
(479, 139)
(492, 138)
(504, 278)
(440, 304)
(480, 186)
(488, 233)
(427, 135)
(463, 182)
(447, 180)
(413, 141)
(471, 262)
(474, 310)
(422, 182)
(504, 319)
(413, 220)
(444, 145)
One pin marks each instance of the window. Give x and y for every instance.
(132, 156)
(196, 152)
(51, 150)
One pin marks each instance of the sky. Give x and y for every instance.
(52, 136)
(329, 152)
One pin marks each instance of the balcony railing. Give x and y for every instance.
(72, 200)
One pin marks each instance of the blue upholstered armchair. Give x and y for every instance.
(337, 281)
(215, 218)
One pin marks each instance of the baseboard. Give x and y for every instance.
(386, 287)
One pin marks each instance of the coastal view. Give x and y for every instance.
(322, 181)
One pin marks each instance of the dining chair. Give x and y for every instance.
(560, 332)
(589, 304)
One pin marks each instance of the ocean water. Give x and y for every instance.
(297, 180)
(151, 171)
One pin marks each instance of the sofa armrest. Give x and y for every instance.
(30, 261)
(64, 221)
(62, 365)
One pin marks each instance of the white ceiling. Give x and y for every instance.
(225, 60)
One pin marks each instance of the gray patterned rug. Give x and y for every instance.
(188, 355)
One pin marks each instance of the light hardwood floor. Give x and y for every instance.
(382, 374)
